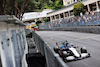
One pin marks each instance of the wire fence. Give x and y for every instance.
(92, 19)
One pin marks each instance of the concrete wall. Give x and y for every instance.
(13, 44)
(84, 29)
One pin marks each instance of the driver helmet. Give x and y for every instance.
(66, 41)
(71, 44)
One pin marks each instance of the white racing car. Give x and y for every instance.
(70, 52)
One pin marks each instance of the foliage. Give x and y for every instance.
(46, 19)
(38, 21)
(32, 6)
(3, 6)
(55, 4)
(19, 7)
(58, 5)
(78, 8)
(13, 7)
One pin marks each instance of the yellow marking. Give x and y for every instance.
(82, 38)
(86, 37)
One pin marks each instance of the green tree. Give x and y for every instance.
(38, 21)
(19, 7)
(78, 8)
(46, 19)
(13, 7)
(58, 4)
(54, 4)
(3, 5)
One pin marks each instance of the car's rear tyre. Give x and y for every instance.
(83, 50)
(56, 49)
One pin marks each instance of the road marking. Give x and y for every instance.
(81, 38)
(51, 38)
(59, 34)
(87, 37)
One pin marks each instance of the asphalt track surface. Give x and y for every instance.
(90, 41)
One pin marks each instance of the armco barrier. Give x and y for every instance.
(52, 59)
(84, 29)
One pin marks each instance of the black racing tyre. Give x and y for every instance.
(83, 50)
(56, 49)
(89, 55)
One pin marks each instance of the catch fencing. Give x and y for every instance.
(85, 20)
(52, 59)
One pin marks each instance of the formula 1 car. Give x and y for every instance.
(71, 52)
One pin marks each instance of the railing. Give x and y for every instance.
(85, 20)
(52, 59)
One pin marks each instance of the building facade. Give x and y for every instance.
(35, 15)
(67, 11)
(68, 2)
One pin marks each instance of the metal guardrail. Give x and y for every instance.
(28, 31)
(84, 29)
(52, 59)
